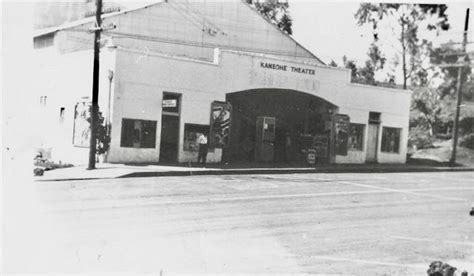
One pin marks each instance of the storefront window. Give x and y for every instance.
(191, 133)
(138, 133)
(391, 139)
(356, 137)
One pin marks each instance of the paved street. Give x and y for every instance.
(302, 223)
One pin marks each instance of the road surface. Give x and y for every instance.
(297, 223)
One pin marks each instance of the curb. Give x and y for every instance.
(271, 171)
(293, 171)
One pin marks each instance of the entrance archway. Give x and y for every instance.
(294, 117)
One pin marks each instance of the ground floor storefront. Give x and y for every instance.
(250, 109)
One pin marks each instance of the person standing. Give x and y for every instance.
(288, 148)
(202, 142)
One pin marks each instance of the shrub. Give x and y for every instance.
(466, 125)
(103, 137)
(419, 138)
(467, 141)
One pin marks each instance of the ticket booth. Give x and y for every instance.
(265, 139)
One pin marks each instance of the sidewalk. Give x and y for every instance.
(110, 171)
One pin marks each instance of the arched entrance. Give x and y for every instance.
(277, 125)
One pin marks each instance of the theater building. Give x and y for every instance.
(174, 69)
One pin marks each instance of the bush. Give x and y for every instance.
(467, 141)
(466, 125)
(103, 137)
(419, 138)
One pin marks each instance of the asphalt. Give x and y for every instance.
(112, 171)
(287, 224)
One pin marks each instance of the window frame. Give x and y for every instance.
(362, 137)
(396, 140)
(191, 145)
(144, 141)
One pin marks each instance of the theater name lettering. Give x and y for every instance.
(281, 67)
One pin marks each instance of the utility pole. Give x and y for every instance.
(452, 161)
(95, 86)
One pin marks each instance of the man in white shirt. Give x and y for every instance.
(202, 142)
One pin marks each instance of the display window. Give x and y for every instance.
(391, 139)
(138, 133)
(191, 133)
(356, 137)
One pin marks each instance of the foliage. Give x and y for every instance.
(366, 74)
(429, 110)
(409, 17)
(277, 13)
(103, 137)
(351, 65)
(467, 141)
(333, 63)
(448, 54)
(419, 138)
(466, 125)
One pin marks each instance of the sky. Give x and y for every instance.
(329, 29)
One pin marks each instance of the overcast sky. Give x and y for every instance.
(330, 31)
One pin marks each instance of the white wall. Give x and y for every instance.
(394, 106)
(139, 92)
(65, 80)
(143, 78)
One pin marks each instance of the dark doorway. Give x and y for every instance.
(169, 139)
(171, 107)
(299, 117)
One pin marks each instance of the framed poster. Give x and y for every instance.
(341, 129)
(220, 125)
(81, 130)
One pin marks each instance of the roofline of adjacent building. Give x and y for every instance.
(405, 91)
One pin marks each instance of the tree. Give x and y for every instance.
(350, 64)
(333, 63)
(446, 54)
(276, 12)
(366, 74)
(426, 108)
(409, 18)
(433, 106)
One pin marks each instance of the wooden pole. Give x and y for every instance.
(95, 87)
(452, 161)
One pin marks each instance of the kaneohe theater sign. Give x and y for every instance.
(281, 67)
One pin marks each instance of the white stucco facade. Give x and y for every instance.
(202, 72)
(141, 80)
